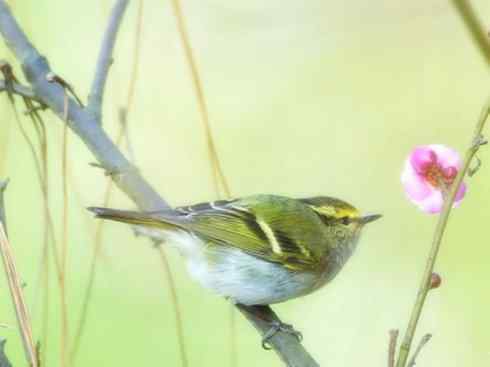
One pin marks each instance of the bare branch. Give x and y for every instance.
(84, 124)
(125, 175)
(105, 60)
(286, 345)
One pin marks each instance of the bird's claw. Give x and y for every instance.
(277, 326)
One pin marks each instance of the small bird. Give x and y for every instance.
(260, 249)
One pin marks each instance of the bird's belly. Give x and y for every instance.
(234, 274)
(247, 279)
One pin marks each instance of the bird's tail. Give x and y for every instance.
(154, 220)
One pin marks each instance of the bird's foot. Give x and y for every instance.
(265, 313)
(277, 326)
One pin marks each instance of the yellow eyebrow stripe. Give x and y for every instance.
(341, 212)
(336, 212)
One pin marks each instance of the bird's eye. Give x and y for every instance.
(345, 220)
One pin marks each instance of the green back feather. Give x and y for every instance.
(274, 228)
(278, 229)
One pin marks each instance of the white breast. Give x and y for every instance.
(238, 276)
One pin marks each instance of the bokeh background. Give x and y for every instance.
(304, 98)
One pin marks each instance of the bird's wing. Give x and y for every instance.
(280, 233)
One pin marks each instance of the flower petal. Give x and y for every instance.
(414, 185)
(460, 194)
(422, 157)
(426, 169)
(446, 157)
(433, 203)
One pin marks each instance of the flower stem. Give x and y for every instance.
(424, 287)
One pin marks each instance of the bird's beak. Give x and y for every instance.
(369, 218)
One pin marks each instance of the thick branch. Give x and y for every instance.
(84, 124)
(124, 174)
(104, 60)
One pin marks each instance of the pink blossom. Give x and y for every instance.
(428, 171)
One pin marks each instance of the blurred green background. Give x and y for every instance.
(305, 98)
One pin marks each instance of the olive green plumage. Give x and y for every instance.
(312, 236)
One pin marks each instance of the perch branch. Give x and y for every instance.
(425, 284)
(124, 174)
(105, 60)
(286, 345)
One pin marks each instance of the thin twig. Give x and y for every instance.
(233, 336)
(88, 292)
(45, 285)
(48, 226)
(15, 287)
(64, 333)
(10, 79)
(125, 128)
(425, 284)
(216, 169)
(42, 171)
(392, 347)
(477, 31)
(3, 216)
(64, 238)
(105, 60)
(175, 302)
(425, 339)
(48, 238)
(42, 175)
(217, 172)
(179, 328)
